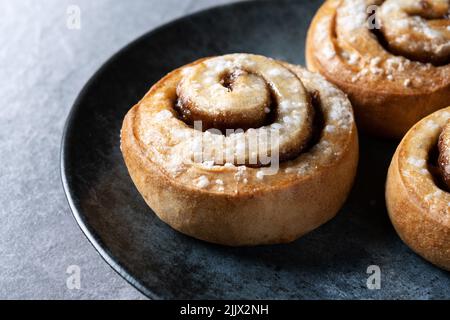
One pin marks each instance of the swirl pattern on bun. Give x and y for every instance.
(391, 58)
(242, 149)
(417, 196)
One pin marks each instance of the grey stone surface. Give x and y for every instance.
(43, 66)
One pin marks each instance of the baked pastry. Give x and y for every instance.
(391, 58)
(444, 155)
(417, 190)
(242, 150)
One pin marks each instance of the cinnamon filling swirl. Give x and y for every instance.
(417, 30)
(242, 118)
(390, 56)
(444, 156)
(242, 149)
(417, 199)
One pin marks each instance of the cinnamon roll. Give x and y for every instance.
(418, 190)
(391, 57)
(242, 150)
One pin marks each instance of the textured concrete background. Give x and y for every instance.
(43, 66)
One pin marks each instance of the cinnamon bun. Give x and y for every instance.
(417, 189)
(242, 150)
(391, 57)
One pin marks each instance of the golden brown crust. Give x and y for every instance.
(389, 93)
(244, 209)
(444, 155)
(419, 209)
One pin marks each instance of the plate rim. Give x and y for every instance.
(90, 234)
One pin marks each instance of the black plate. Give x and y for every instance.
(331, 262)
